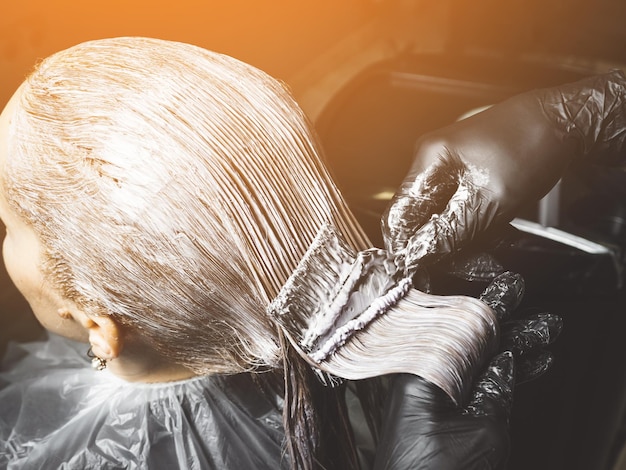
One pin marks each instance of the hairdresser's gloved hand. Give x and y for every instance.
(526, 336)
(423, 429)
(482, 169)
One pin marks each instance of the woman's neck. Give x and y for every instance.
(141, 364)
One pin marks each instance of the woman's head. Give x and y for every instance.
(172, 188)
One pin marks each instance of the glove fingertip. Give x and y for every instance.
(503, 366)
(504, 294)
(493, 393)
(554, 323)
(530, 369)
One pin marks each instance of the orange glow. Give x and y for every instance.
(277, 36)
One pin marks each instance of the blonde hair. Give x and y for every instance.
(174, 188)
(178, 189)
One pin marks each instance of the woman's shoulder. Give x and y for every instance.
(61, 411)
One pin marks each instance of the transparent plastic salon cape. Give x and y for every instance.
(56, 412)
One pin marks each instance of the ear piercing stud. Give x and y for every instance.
(97, 363)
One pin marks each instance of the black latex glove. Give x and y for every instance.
(482, 169)
(526, 336)
(423, 429)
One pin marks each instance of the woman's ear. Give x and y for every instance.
(105, 337)
(105, 334)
